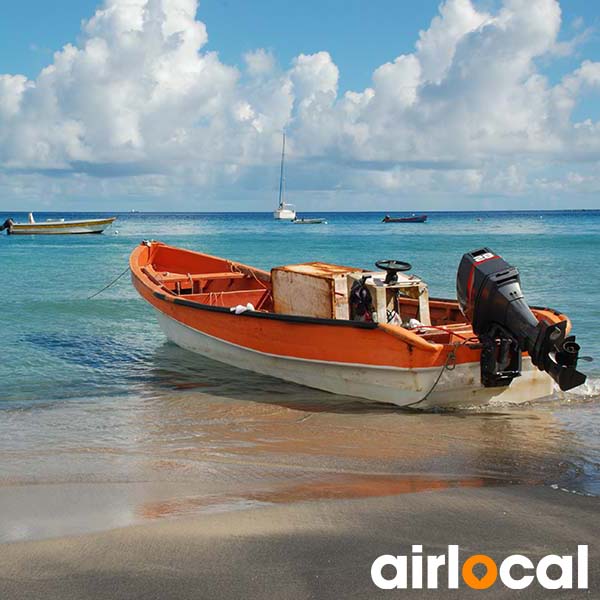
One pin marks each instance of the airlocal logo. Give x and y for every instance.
(479, 571)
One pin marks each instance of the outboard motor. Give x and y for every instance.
(7, 225)
(489, 294)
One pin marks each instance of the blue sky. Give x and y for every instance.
(234, 27)
(358, 38)
(359, 34)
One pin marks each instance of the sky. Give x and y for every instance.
(174, 105)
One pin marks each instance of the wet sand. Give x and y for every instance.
(310, 549)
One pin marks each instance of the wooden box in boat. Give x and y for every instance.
(313, 289)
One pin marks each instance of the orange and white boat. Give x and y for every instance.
(374, 335)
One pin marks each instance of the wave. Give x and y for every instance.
(590, 390)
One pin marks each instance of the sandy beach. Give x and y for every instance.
(319, 549)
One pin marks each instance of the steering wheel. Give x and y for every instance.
(392, 268)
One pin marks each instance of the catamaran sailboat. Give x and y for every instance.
(284, 211)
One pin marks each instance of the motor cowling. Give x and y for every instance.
(490, 296)
(8, 224)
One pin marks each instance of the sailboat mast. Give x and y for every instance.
(281, 173)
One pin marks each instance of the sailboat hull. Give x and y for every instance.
(284, 214)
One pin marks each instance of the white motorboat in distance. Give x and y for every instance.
(57, 226)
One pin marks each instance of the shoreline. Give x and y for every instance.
(321, 548)
(39, 511)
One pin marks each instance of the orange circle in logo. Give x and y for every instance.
(487, 580)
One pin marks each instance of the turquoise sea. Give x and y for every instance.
(91, 392)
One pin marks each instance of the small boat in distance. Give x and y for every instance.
(412, 219)
(309, 221)
(284, 211)
(56, 226)
(369, 334)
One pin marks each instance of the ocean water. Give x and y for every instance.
(90, 391)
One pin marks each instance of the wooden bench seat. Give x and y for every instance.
(182, 277)
(229, 299)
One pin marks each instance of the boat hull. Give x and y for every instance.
(62, 227)
(418, 219)
(402, 387)
(284, 214)
(309, 221)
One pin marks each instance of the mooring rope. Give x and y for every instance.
(449, 365)
(109, 285)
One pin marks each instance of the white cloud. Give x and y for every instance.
(437, 45)
(260, 62)
(140, 107)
